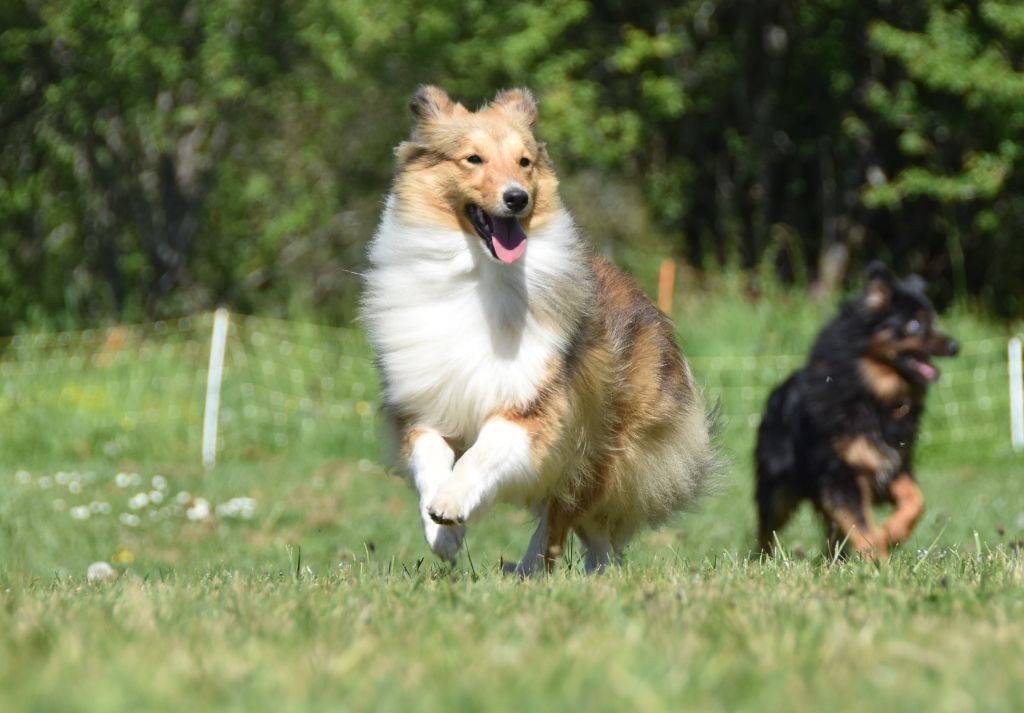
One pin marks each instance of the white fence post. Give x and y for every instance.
(213, 381)
(1016, 395)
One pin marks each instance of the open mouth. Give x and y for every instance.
(504, 237)
(920, 366)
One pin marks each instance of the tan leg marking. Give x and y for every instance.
(870, 542)
(909, 508)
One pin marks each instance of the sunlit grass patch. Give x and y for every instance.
(730, 634)
(294, 576)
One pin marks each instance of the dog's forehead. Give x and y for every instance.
(910, 298)
(501, 135)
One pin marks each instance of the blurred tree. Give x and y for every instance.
(161, 157)
(115, 116)
(959, 117)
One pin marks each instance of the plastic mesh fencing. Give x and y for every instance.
(970, 403)
(138, 392)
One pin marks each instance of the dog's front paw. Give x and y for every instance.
(451, 506)
(444, 540)
(895, 532)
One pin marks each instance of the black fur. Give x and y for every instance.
(834, 400)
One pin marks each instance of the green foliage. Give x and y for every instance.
(961, 120)
(118, 115)
(158, 158)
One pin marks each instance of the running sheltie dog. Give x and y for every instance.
(516, 365)
(840, 431)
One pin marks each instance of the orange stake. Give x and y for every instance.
(666, 284)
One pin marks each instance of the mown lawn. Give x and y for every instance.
(665, 635)
(326, 600)
(296, 579)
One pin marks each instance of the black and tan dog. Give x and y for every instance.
(840, 431)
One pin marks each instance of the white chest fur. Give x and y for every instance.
(458, 335)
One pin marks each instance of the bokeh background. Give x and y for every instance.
(160, 158)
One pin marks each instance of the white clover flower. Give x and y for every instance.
(99, 507)
(138, 501)
(134, 478)
(61, 477)
(128, 519)
(74, 487)
(100, 572)
(23, 476)
(80, 512)
(159, 482)
(242, 508)
(198, 510)
(122, 480)
(46, 482)
(182, 497)
(156, 497)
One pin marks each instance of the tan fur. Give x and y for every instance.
(409, 438)
(909, 507)
(863, 456)
(867, 540)
(649, 402)
(883, 380)
(560, 521)
(870, 540)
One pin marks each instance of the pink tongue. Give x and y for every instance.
(929, 372)
(509, 240)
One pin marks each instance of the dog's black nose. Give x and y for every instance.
(515, 199)
(952, 347)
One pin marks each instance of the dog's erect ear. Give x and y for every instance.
(519, 102)
(429, 102)
(879, 283)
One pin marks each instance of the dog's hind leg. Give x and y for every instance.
(850, 523)
(909, 506)
(600, 552)
(775, 507)
(547, 543)
(533, 558)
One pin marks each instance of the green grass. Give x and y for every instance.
(327, 599)
(665, 635)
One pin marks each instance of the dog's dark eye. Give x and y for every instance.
(473, 158)
(524, 162)
(913, 327)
